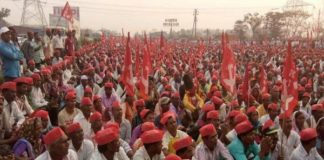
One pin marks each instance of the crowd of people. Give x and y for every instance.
(60, 100)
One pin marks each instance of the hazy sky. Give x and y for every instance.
(139, 15)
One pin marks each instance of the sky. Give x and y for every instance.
(140, 15)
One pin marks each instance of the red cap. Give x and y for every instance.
(243, 127)
(207, 130)
(152, 136)
(109, 85)
(73, 127)
(168, 87)
(112, 125)
(70, 96)
(182, 143)
(9, 85)
(147, 126)
(140, 102)
(172, 157)
(116, 104)
(165, 94)
(251, 110)
(144, 112)
(87, 90)
(22, 80)
(41, 114)
(86, 101)
(45, 71)
(273, 106)
(217, 100)
(308, 134)
(317, 107)
(208, 107)
(217, 94)
(268, 124)
(266, 96)
(166, 117)
(284, 116)
(31, 62)
(29, 80)
(234, 103)
(106, 136)
(306, 94)
(175, 95)
(308, 86)
(36, 77)
(53, 135)
(96, 97)
(233, 113)
(240, 118)
(213, 115)
(95, 116)
(214, 78)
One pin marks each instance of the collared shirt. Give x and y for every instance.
(79, 93)
(290, 142)
(85, 151)
(121, 155)
(65, 118)
(135, 134)
(15, 116)
(108, 101)
(274, 154)
(300, 154)
(202, 152)
(141, 154)
(10, 56)
(58, 42)
(237, 150)
(70, 156)
(125, 130)
(168, 140)
(85, 125)
(38, 99)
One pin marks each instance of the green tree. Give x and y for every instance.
(240, 28)
(273, 23)
(254, 20)
(295, 22)
(4, 12)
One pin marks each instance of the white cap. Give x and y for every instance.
(4, 30)
(84, 77)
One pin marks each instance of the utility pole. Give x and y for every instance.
(33, 13)
(194, 27)
(171, 22)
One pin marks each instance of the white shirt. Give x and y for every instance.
(290, 142)
(231, 135)
(203, 153)
(23, 105)
(38, 97)
(141, 154)
(85, 125)
(85, 151)
(167, 137)
(300, 154)
(121, 155)
(58, 42)
(67, 74)
(15, 115)
(266, 117)
(70, 156)
(79, 93)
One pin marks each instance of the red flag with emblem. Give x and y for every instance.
(67, 12)
(289, 95)
(228, 67)
(127, 75)
(263, 80)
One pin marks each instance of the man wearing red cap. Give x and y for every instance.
(21, 99)
(272, 113)
(66, 116)
(125, 126)
(96, 122)
(57, 146)
(38, 99)
(128, 107)
(146, 116)
(263, 107)
(317, 113)
(10, 107)
(108, 146)
(108, 97)
(184, 147)
(304, 104)
(83, 147)
(172, 133)
(288, 137)
(211, 148)
(80, 88)
(152, 149)
(137, 120)
(84, 117)
(244, 147)
(307, 148)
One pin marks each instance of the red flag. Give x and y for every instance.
(246, 88)
(148, 56)
(289, 95)
(127, 75)
(143, 83)
(263, 80)
(67, 12)
(137, 62)
(228, 67)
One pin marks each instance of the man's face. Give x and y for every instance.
(108, 91)
(157, 148)
(77, 137)
(60, 147)
(9, 95)
(71, 102)
(6, 36)
(214, 121)
(165, 107)
(117, 112)
(149, 117)
(254, 116)
(211, 141)
(188, 154)
(288, 124)
(171, 124)
(96, 125)
(318, 114)
(22, 88)
(113, 146)
(175, 101)
(248, 139)
(305, 100)
(84, 82)
(30, 35)
(87, 110)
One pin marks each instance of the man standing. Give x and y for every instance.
(58, 42)
(69, 44)
(48, 48)
(83, 147)
(57, 146)
(28, 47)
(10, 56)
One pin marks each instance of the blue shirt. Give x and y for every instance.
(10, 56)
(237, 150)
